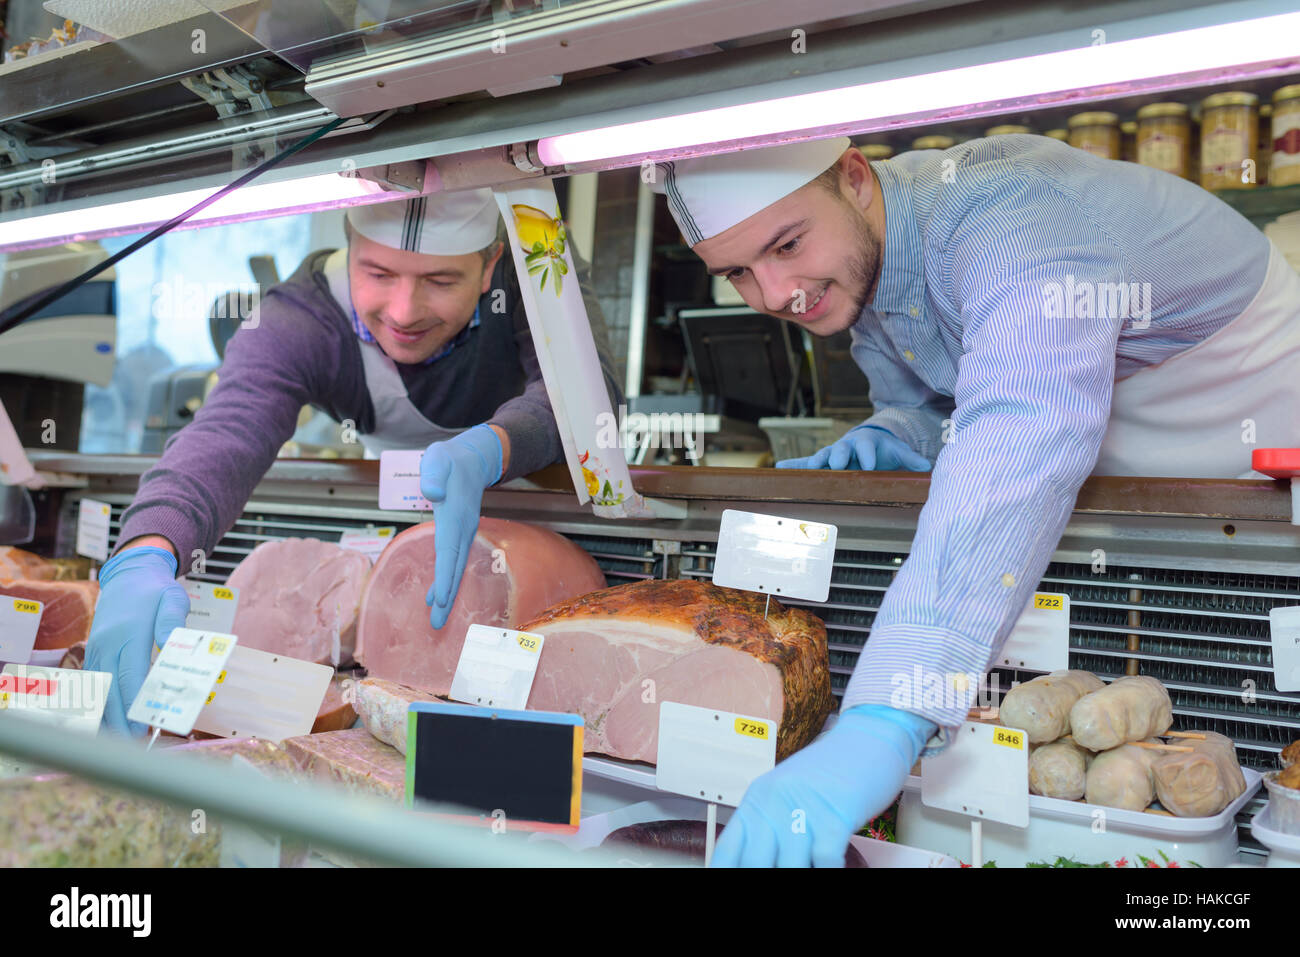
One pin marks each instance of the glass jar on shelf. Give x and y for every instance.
(1285, 139)
(876, 151)
(935, 141)
(1007, 128)
(1097, 132)
(1229, 135)
(1164, 138)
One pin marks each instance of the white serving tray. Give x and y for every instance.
(1283, 849)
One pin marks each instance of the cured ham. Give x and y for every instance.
(69, 608)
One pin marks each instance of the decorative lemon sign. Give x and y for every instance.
(542, 238)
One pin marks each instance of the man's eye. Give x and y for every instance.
(440, 284)
(734, 275)
(379, 276)
(791, 246)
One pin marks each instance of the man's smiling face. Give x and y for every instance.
(414, 303)
(812, 257)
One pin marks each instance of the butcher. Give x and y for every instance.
(1025, 314)
(415, 334)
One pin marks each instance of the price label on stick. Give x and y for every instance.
(1284, 630)
(263, 695)
(399, 481)
(92, 529)
(212, 607)
(984, 775)
(64, 697)
(786, 557)
(497, 667)
(178, 684)
(369, 541)
(20, 619)
(712, 755)
(1040, 640)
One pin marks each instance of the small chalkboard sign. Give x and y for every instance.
(519, 770)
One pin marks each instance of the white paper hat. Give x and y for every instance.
(440, 224)
(708, 195)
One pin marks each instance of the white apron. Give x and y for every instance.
(1201, 413)
(398, 423)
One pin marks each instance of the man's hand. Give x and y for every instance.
(453, 475)
(140, 602)
(804, 810)
(863, 447)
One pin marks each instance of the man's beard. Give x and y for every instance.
(863, 263)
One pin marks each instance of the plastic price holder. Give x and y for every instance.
(182, 676)
(983, 774)
(92, 529)
(1280, 464)
(20, 620)
(369, 541)
(399, 481)
(212, 607)
(787, 557)
(1040, 640)
(496, 667)
(66, 698)
(521, 770)
(263, 695)
(243, 845)
(1284, 630)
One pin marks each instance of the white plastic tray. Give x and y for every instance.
(1075, 829)
(1284, 849)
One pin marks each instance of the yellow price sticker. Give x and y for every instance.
(384, 532)
(1008, 738)
(103, 510)
(225, 593)
(1048, 601)
(755, 729)
(221, 677)
(4, 699)
(818, 533)
(30, 607)
(528, 642)
(218, 646)
(211, 695)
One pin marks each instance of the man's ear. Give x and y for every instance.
(489, 265)
(857, 171)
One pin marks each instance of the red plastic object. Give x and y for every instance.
(1279, 463)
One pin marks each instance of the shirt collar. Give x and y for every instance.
(901, 287)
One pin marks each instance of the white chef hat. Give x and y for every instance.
(708, 195)
(440, 224)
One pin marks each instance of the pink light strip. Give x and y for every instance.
(1170, 54)
(258, 201)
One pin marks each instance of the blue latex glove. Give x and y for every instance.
(453, 475)
(140, 602)
(863, 447)
(839, 782)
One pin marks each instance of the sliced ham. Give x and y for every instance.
(299, 597)
(351, 758)
(513, 573)
(69, 608)
(613, 655)
(15, 563)
(336, 711)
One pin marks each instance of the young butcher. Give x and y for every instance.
(415, 332)
(1026, 314)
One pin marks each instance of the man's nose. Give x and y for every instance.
(401, 306)
(775, 288)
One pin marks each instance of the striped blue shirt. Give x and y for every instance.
(1020, 278)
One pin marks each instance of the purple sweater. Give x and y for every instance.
(304, 351)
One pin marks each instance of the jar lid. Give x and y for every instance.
(1152, 110)
(1097, 118)
(1286, 92)
(1128, 126)
(1231, 98)
(1006, 128)
(934, 142)
(876, 151)
(1062, 135)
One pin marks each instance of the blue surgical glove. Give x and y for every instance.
(805, 809)
(863, 447)
(453, 475)
(140, 602)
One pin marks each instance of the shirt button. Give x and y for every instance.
(914, 311)
(1009, 580)
(909, 355)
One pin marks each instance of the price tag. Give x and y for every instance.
(1284, 629)
(984, 774)
(20, 619)
(64, 697)
(399, 481)
(243, 845)
(181, 678)
(92, 529)
(263, 695)
(1040, 640)
(786, 557)
(712, 755)
(370, 542)
(496, 667)
(212, 607)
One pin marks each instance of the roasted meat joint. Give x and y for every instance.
(681, 433)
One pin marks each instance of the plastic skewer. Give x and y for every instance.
(976, 843)
(710, 833)
(766, 605)
(152, 738)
